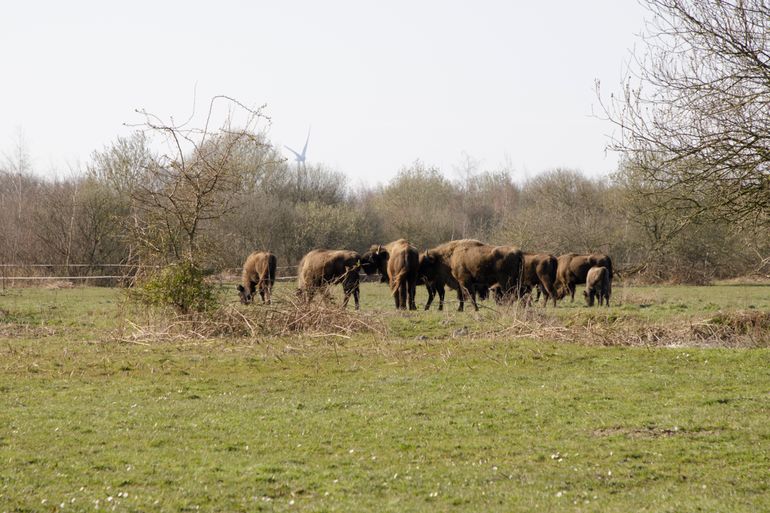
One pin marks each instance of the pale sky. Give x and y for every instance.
(506, 83)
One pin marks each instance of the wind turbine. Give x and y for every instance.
(300, 158)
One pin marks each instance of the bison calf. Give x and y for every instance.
(572, 270)
(597, 285)
(258, 273)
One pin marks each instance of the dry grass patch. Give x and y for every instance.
(609, 328)
(287, 316)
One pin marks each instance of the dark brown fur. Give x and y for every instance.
(597, 285)
(435, 271)
(477, 268)
(322, 268)
(470, 267)
(398, 262)
(572, 270)
(258, 274)
(540, 273)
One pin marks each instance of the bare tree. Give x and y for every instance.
(694, 116)
(18, 182)
(197, 181)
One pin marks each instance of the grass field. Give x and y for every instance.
(438, 411)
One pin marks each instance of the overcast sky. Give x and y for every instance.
(506, 83)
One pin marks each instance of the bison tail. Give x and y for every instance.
(397, 281)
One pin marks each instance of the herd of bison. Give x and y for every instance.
(468, 266)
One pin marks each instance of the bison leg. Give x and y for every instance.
(348, 290)
(549, 292)
(347, 297)
(431, 293)
(441, 291)
(403, 292)
(461, 299)
(261, 287)
(470, 290)
(412, 288)
(350, 287)
(356, 294)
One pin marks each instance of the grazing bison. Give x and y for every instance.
(469, 267)
(479, 268)
(435, 271)
(322, 268)
(572, 270)
(397, 263)
(258, 273)
(539, 273)
(597, 285)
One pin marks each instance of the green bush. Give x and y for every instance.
(181, 286)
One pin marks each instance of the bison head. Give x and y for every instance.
(246, 294)
(375, 261)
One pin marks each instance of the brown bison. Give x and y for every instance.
(539, 273)
(429, 277)
(397, 263)
(470, 267)
(597, 285)
(258, 273)
(572, 270)
(479, 268)
(322, 268)
(435, 271)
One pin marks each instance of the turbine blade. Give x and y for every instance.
(299, 157)
(304, 150)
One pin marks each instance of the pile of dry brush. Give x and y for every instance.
(288, 315)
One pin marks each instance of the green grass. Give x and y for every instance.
(423, 419)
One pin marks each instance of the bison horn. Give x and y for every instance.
(379, 248)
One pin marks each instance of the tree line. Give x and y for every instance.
(130, 205)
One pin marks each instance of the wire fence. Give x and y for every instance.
(19, 274)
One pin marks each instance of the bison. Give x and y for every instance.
(572, 270)
(435, 271)
(322, 268)
(397, 263)
(479, 268)
(258, 273)
(539, 273)
(470, 266)
(597, 285)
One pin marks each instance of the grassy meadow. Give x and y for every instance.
(659, 403)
